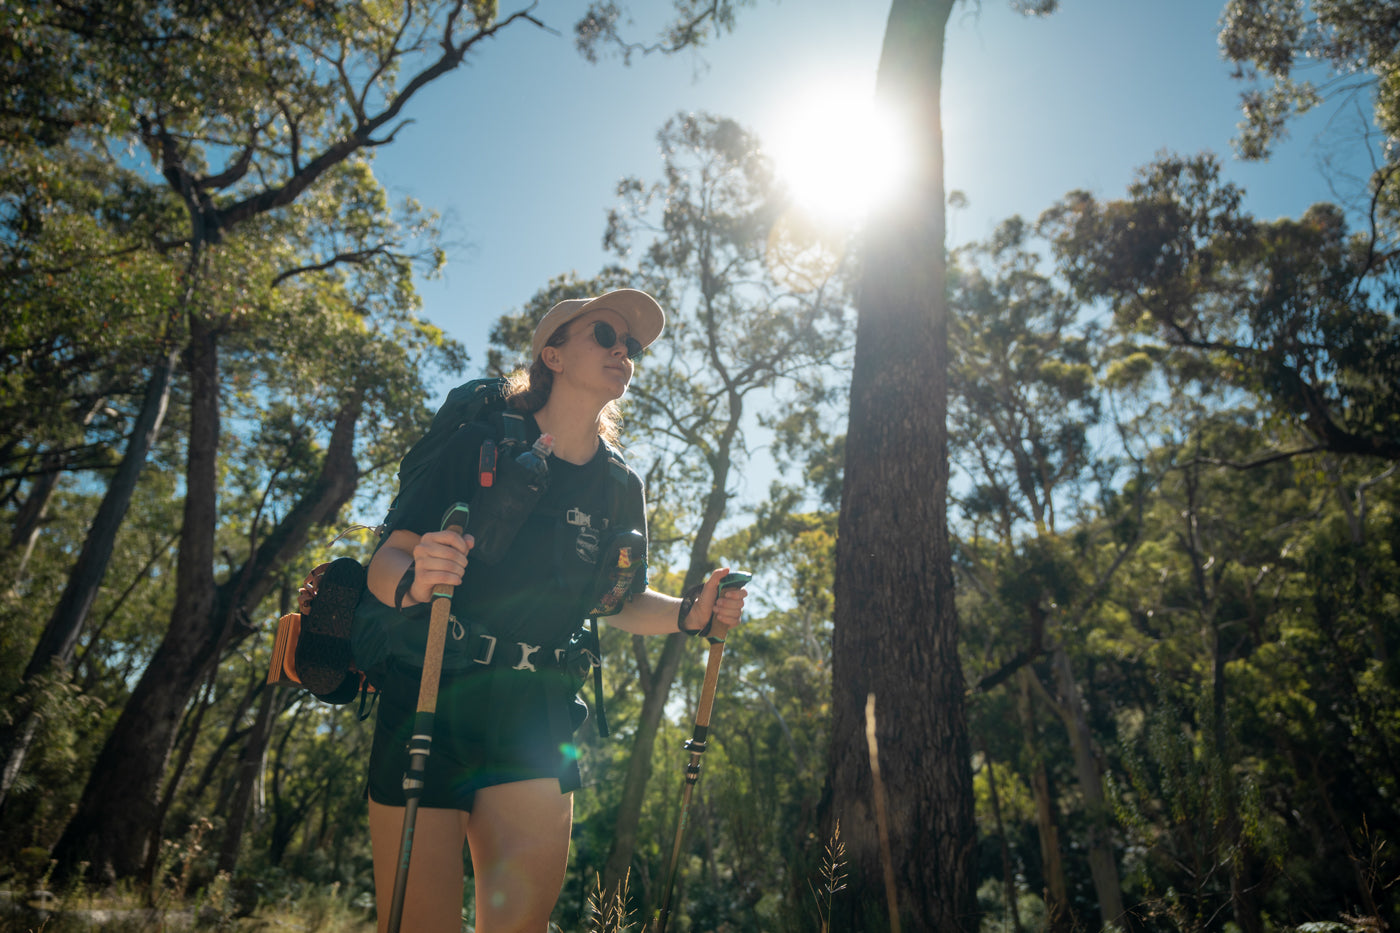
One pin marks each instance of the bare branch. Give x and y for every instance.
(351, 258)
(1254, 464)
(362, 135)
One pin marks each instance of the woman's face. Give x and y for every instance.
(584, 363)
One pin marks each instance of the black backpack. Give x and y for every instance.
(313, 648)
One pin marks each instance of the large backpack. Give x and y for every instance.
(337, 644)
(471, 401)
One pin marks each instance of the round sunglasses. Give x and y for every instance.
(606, 335)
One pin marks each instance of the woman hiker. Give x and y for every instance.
(502, 771)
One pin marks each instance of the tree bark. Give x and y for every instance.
(896, 625)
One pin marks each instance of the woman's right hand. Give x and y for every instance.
(439, 557)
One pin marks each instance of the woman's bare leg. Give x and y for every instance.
(433, 899)
(519, 837)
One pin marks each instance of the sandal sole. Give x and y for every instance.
(323, 657)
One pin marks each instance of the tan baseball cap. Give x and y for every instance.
(643, 315)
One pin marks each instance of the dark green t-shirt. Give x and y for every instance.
(542, 588)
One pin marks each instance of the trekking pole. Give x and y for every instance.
(696, 746)
(421, 745)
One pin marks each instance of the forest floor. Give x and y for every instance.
(46, 914)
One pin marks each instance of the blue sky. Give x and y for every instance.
(522, 148)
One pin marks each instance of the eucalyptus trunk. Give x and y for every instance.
(240, 811)
(896, 627)
(111, 826)
(29, 518)
(1059, 917)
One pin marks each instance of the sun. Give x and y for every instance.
(839, 154)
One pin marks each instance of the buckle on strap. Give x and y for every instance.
(525, 652)
(484, 657)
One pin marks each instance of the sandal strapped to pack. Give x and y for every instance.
(323, 657)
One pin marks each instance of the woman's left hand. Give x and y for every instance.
(726, 606)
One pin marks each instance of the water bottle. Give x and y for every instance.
(535, 461)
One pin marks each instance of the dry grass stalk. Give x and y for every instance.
(833, 875)
(608, 912)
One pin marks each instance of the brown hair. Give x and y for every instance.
(528, 388)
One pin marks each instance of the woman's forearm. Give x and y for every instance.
(648, 613)
(388, 566)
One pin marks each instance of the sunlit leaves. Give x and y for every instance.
(1343, 46)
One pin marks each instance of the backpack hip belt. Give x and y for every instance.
(486, 650)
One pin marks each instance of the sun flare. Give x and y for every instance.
(839, 154)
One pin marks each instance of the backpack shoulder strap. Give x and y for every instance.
(513, 427)
(619, 481)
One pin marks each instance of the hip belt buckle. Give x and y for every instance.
(484, 657)
(525, 652)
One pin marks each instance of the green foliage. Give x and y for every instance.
(1298, 312)
(1232, 632)
(1270, 42)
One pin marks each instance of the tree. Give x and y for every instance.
(1023, 407)
(1352, 42)
(268, 97)
(1298, 311)
(896, 630)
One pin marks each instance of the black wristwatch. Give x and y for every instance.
(688, 599)
(405, 584)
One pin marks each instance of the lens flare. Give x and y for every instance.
(840, 155)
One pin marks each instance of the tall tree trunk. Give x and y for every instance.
(24, 533)
(60, 636)
(120, 801)
(195, 722)
(250, 765)
(1008, 869)
(896, 627)
(1059, 917)
(639, 770)
(1103, 866)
